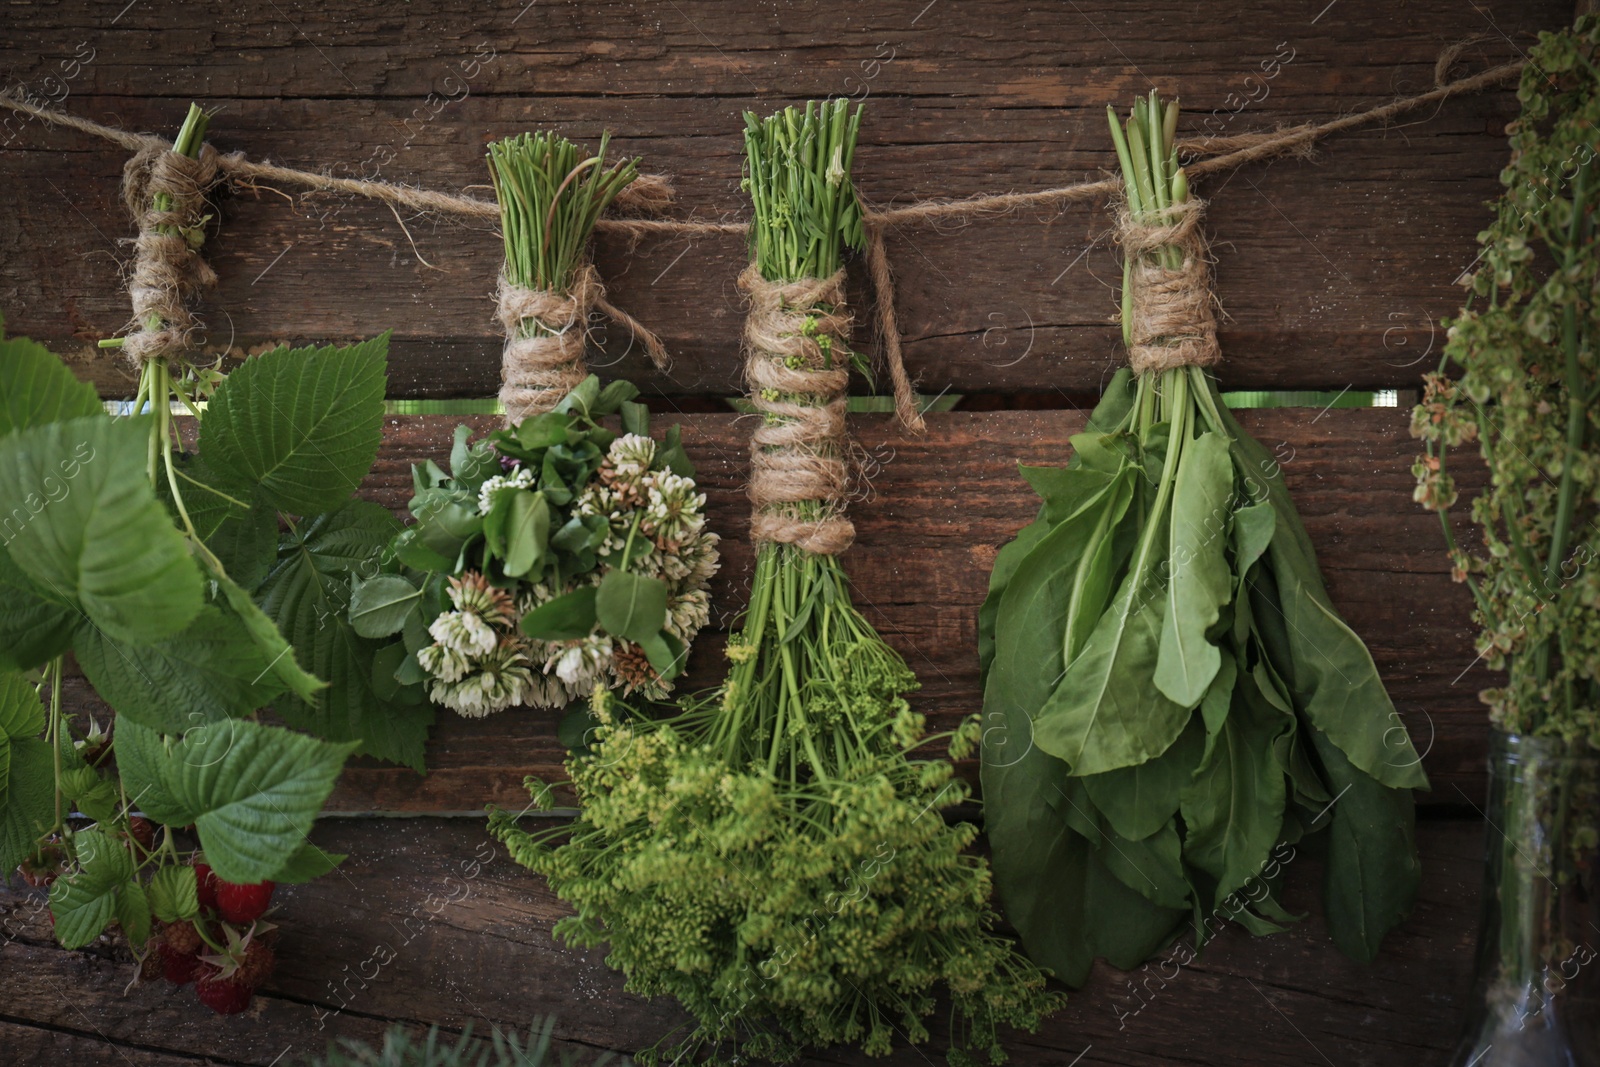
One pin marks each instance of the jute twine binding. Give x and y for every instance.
(1174, 319)
(800, 451)
(545, 338)
(169, 274)
(1206, 155)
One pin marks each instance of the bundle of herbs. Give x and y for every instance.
(554, 553)
(1172, 703)
(773, 854)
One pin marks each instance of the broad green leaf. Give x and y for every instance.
(671, 455)
(303, 425)
(212, 670)
(133, 912)
(29, 808)
(1233, 808)
(543, 431)
(37, 388)
(1104, 714)
(1253, 527)
(635, 417)
(34, 628)
(307, 596)
(1153, 866)
(616, 396)
(21, 710)
(379, 605)
(565, 618)
(141, 756)
(309, 862)
(472, 465)
(1138, 801)
(1372, 874)
(269, 642)
(173, 893)
(85, 901)
(91, 529)
(410, 550)
(1006, 562)
(631, 606)
(254, 791)
(666, 654)
(239, 530)
(1200, 582)
(527, 532)
(1334, 679)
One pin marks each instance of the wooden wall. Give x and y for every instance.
(1333, 273)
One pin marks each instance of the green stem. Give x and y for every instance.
(56, 730)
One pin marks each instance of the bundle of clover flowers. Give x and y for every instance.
(573, 554)
(772, 854)
(555, 553)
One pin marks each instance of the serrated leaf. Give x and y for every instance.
(307, 595)
(37, 388)
(173, 893)
(29, 808)
(308, 862)
(141, 755)
(21, 710)
(379, 606)
(34, 628)
(631, 606)
(133, 912)
(84, 901)
(212, 670)
(254, 791)
(91, 529)
(302, 424)
(270, 642)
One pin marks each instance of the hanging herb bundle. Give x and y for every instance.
(164, 573)
(554, 554)
(551, 195)
(1172, 703)
(772, 854)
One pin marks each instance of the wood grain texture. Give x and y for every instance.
(429, 921)
(929, 521)
(1332, 272)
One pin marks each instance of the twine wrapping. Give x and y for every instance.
(1174, 320)
(542, 362)
(169, 272)
(539, 367)
(799, 453)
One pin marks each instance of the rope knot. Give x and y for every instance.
(165, 192)
(796, 366)
(1174, 320)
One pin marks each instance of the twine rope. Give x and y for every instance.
(169, 272)
(799, 454)
(1207, 156)
(1174, 322)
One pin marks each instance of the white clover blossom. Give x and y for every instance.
(521, 478)
(445, 664)
(463, 632)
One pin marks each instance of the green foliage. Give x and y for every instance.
(251, 790)
(86, 899)
(301, 426)
(1519, 379)
(307, 594)
(1171, 701)
(506, 1049)
(37, 388)
(90, 529)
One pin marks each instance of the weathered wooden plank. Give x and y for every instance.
(1332, 275)
(938, 508)
(466, 936)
